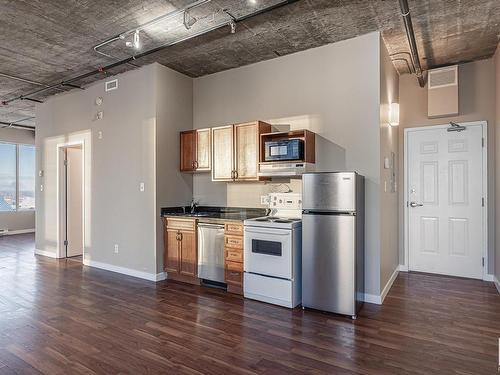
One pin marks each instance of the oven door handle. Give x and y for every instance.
(273, 231)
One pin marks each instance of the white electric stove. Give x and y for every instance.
(273, 253)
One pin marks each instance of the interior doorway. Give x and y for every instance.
(71, 201)
(446, 199)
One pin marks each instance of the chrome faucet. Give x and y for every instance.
(193, 206)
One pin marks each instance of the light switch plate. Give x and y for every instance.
(141, 186)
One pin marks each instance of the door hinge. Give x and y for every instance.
(66, 243)
(482, 142)
(66, 163)
(482, 201)
(483, 261)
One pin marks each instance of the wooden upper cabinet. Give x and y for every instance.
(222, 156)
(203, 150)
(188, 150)
(236, 151)
(195, 150)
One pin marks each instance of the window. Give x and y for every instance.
(26, 196)
(8, 162)
(17, 177)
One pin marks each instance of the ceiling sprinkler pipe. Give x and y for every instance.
(410, 34)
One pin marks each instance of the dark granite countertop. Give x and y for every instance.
(210, 213)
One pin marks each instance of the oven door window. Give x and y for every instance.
(267, 247)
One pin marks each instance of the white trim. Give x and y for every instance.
(497, 283)
(484, 125)
(388, 286)
(20, 231)
(489, 277)
(59, 148)
(372, 298)
(46, 253)
(403, 268)
(126, 271)
(379, 300)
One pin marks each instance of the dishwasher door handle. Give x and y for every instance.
(215, 226)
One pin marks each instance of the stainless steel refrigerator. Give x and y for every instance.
(333, 242)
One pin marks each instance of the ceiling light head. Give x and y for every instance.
(232, 25)
(188, 20)
(137, 40)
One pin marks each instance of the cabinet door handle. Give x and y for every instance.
(234, 273)
(235, 175)
(195, 164)
(232, 175)
(180, 236)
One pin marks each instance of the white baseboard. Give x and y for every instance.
(20, 231)
(126, 271)
(388, 286)
(373, 298)
(497, 283)
(403, 268)
(378, 300)
(46, 253)
(489, 277)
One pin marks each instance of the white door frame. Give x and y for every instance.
(484, 125)
(60, 195)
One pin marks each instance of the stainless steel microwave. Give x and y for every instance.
(288, 149)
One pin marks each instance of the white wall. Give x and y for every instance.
(389, 220)
(497, 165)
(332, 90)
(117, 212)
(476, 102)
(21, 220)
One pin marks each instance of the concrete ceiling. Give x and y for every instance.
(48, 40)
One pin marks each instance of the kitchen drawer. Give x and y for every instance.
(181, 224)
(234, 255)
(235, 242)
(234, 228)
(234, 273)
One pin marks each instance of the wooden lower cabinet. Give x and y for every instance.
(181, 255)
(233, 257)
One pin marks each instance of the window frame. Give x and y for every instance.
(18, 209)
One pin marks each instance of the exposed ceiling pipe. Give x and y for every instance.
(410, 34)
(146, 53)
(16, 78)
(16, 125)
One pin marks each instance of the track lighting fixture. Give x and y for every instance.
(188, 20)
(232, 25)
(136, 43)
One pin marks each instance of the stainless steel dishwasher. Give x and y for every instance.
(211, 252)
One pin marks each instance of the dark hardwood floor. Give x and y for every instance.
(59, 317)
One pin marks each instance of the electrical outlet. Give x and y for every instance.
(116, 248)
(99, 134)
(141, 186)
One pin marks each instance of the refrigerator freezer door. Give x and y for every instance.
(328, 263)
(334, 191)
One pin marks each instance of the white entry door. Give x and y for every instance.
(445, 200)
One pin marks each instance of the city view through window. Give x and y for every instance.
(17, 177)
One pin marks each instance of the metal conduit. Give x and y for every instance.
(143, 54)
(410, 34)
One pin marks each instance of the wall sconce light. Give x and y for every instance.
(394, 114)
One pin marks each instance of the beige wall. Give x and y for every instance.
(117, 211)
(389, 221)
(476, 102)
(332, 90)
(174, 113)
(22, 220)
(497, 166)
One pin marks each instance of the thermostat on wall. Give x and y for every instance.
(111, 85)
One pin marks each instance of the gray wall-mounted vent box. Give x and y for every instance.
(442, 92)
(111, 85)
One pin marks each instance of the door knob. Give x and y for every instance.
(415, 204)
